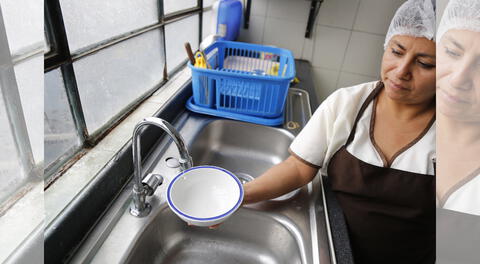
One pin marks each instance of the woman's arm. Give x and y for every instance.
(282, 178)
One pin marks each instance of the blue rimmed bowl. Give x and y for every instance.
(205, 195)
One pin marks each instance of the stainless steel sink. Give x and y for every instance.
(292, 231)
(240, 147)
(247, 237)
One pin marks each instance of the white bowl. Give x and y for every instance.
(204, 195)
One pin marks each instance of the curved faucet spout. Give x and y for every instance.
(140, 207)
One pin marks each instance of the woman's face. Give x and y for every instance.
(408, 69)
(458, 75)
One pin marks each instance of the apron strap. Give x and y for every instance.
(364, 106)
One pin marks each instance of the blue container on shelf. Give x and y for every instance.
(245, 79)
(229, 18)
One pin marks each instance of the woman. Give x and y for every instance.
(376, 141)
(458, 141)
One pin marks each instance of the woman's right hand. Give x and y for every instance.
(280, 179)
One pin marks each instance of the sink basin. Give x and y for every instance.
(247, 237)
(245, 149)
(241, 148)
(289, 232)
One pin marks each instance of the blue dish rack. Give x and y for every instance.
(246, 82)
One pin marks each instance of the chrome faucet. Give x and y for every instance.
(142, 189)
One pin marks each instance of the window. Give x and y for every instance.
(105, 58)
(21, 97)
(172, 6)
(208, 23)
(10, 161)
(176, 34)
(60, 134)
(103, 20)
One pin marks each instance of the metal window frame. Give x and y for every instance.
(60, 57)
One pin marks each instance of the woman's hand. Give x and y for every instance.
(280, 179)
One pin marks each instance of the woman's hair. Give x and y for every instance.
(414, 18)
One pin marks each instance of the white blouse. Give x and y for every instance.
(466, 198)
(330, 126)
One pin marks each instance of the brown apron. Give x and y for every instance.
(390, 213)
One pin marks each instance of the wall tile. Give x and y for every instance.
(309, 45)
(292, 10)
(259, 7)
(374, 16)
(338, 13)
(284, 34)
(364, 54)
(330, 46)
(254, 33)
(325, 81)
(347, 79)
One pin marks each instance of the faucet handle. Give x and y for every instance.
(151, 183)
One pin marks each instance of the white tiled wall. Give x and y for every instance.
(346, 46)
(373, 16)
(330, 45)
(284, 33)
(364, 54)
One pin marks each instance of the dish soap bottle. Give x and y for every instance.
(229, 17)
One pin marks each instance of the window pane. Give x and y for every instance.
(23, 23)
(170, 6)
(11, 176)
(207, 3)
(111, 79)
(89, 22)
(29, 75)
(207, 27)
(176, 34)
(59, 129)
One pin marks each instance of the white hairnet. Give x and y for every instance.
(413, 18)
(460, 14)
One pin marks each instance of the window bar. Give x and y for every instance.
(113, 41)
(59, 53)
(28, 53)
(162, 29)
(74, 100)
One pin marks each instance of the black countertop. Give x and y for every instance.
(304, 74)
